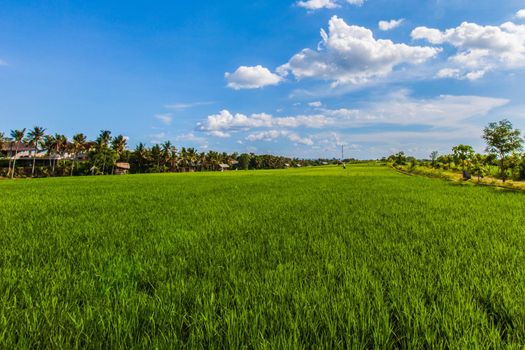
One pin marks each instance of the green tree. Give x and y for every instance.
(502, 139)
(479, 166)
(18, 137)
(244, 161)
(78, 147)
(463, 155)
(434, 156)
(118, 145)
(103, 157)
(35, 139)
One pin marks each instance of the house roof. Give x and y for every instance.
(123, 166)
(11, 147)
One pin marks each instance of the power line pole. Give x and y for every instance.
(342, 153)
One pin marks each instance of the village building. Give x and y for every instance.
(121, 168)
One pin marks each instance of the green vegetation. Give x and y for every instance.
(35, 154)
(301, 258)
(503, 160)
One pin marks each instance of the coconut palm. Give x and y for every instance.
(18, 136)
(118, 144)
(169, 154)
(78, 146)
(49, 145)
(2, 141)
(141, 154)
(102, 151)
(103, 139)
(35, 138)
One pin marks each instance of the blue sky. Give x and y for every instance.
(260, 76)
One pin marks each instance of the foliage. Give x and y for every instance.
(502, 139)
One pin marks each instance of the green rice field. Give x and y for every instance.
(312, 258)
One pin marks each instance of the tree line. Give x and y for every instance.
(57, 155)
(503, 158)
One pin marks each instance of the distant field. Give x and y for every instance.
(299, 258)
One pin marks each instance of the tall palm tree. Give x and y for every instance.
(49, 145)
(169, 153)
(141, 154)
(2, 140)
(35, 137)
(78, 146)
(61, 143)
(118, 144)
(102, 148)
(103, 139)
(18, 136)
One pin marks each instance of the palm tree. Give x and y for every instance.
(169, 154)
(35, 137)
(61, 143)
(102, 149)
(2, 140)
(78, 146)
(141, 154)
(18, 136)
(156, 155)
(118, 144)
(103, 139)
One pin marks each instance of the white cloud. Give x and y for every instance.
(225, 122)
(318, 4)
(181, 106)
(326, 4)
(252, 78)
(272, 135)
(521, 14)
(480, 49)
(448, 73)
(193, 139)
(269, 135)
(300, 140)
(389, 25)
(356, 2)
(351, 54)
(316, 104)
(165, 118)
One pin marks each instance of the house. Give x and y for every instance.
(223, 167)
(10, 149)
(121, 168)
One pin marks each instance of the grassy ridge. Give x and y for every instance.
(316, 257)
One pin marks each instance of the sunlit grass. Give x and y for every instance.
(311, 258)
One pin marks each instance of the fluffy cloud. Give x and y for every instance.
(225, 122)
(351, 54)
(326, 4)
(389, 25)
(272, 135)
(182, 106)
(316, 104)
(480, 49)
(252, 78)
(521, 14)
(165, 118)
(318, 4)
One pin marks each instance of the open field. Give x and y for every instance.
(313, 258)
